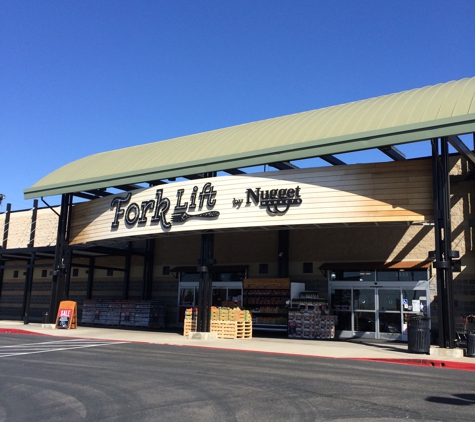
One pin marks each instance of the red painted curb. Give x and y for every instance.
(18, 331)
(463, 366)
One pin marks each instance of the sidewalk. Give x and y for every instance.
(354, 349)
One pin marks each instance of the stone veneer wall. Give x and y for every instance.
(462, 206)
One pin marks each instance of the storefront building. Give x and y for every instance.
(182, 221)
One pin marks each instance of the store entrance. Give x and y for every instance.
(367, 310)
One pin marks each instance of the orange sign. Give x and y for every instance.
(67, 315)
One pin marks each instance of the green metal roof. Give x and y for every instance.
(418, 114)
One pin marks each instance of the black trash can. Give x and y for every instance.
(418, 335)
(471, 345)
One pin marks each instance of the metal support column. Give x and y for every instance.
(148, 269)
(128, 261)
(205, 268)
(4, 243)
(443, 242)
(28, 289)
(283, 254)
(90, 277)
(67, 283)
(31, 267)
(58, 287)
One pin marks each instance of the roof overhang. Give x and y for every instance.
(431, 112)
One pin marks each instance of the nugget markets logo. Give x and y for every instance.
(276, 201)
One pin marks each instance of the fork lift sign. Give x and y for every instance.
(277, 202)
(158, 207)
(67, 315)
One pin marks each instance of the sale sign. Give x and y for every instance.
(67, 315)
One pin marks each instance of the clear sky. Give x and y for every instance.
(82, 77)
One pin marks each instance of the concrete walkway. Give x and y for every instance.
(373, 350)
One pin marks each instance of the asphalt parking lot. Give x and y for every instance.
(58, 379)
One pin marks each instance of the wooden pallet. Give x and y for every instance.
(244, 329)
(224, 329)
(188, 327)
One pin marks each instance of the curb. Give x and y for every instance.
(461, 366)
(19, 331)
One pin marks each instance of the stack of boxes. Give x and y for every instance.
(191, 321)
(311, 322)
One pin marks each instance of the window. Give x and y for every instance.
(189, 276)
(166, 270)
(110, 272)
(75, 272)
(308, 267)
(44, 273)
(362, 275)
(15, 274)
(263, 268)
(401, 275)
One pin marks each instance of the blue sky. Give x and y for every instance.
(82, 77)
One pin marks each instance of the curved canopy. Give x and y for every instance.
(419, 114)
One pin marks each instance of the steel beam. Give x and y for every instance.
(99, 192)
(234, 171)
(128, 187)
(284, 165)
(331, 159)
(6, 225)
(31, 243)
(462, 149)
(85, 195)
(393, 153)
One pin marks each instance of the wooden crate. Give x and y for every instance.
(220, 314)
(236, 315)
(191, 314)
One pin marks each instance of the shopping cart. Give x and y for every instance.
(468, 327)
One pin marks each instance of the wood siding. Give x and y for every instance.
(383, 192)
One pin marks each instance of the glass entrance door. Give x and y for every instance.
(388, 315)
(377, 313)
(364, 306)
